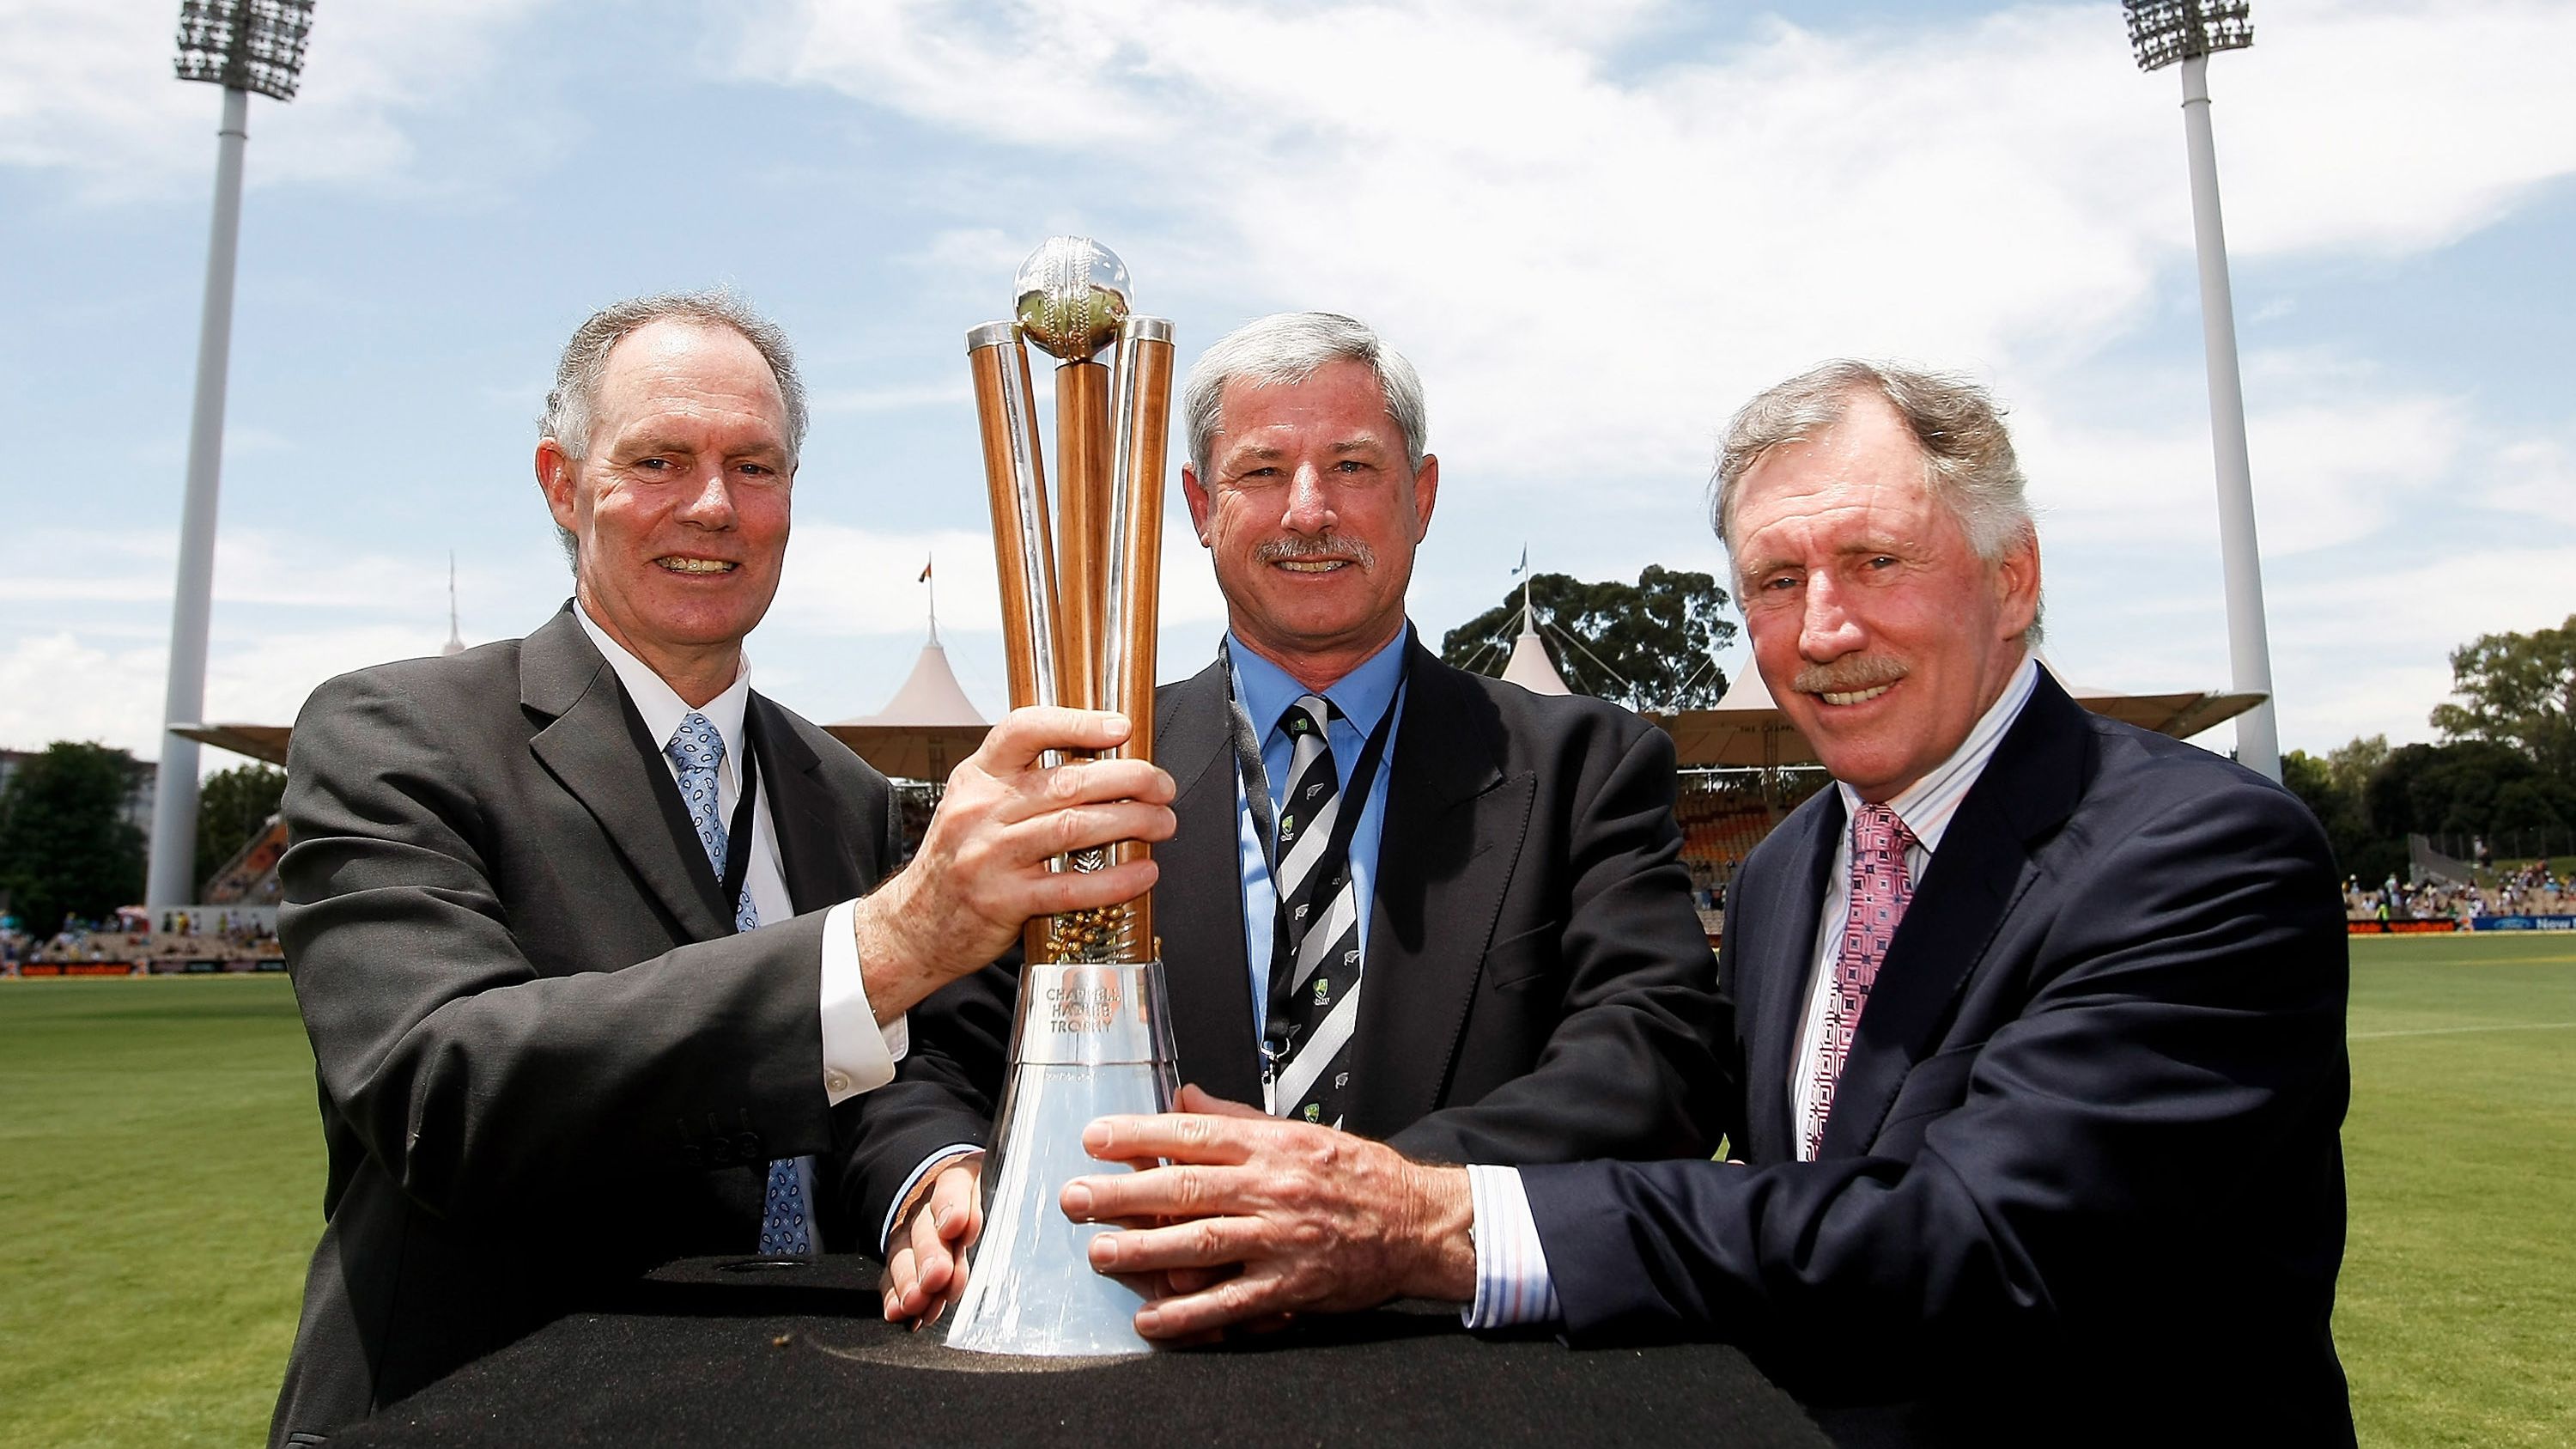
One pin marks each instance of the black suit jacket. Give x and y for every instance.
(1538, 986)
(2082, 1179)
(545, 1059)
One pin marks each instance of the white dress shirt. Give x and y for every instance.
(857, 1055)
(1926, 807)
(1512, 1281)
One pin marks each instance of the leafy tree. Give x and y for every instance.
(232, 806)
(2473, 787)
(1647, 645)
(2351, 767)
(2518, 690)
(66, 847)
(2334, 788)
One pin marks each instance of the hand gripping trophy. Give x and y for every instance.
(1092, 1034)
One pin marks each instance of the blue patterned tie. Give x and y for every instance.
(787, 1212)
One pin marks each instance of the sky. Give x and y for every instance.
(1595, 226)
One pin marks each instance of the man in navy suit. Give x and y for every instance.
(2036, 1030)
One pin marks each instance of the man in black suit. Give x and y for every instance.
(1487, 950)
(576, 922)
(2036, 1044)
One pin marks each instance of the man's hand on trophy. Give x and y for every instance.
(982, 870)
(926, 1253)
(1263, 1218)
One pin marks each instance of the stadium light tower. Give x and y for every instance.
(2189, 31)
(243, 46)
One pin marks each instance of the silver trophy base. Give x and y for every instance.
(1030, 1288)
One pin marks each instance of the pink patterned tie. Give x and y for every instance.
(1879, 893)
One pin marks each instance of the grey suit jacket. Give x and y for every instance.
(1539, 989)
(545, 1060)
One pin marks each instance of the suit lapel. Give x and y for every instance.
(1453, 834)
(1779, 943)
(2027, 790)
(596, 748)
(1198, 901)
(816, 855)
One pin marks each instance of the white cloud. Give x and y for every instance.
(1593, 265)
(92, 93)
(2536, 476)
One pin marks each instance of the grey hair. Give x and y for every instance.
(572, 404)
(1288, 348)
(1968, 459)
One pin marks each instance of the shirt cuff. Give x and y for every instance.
(858, 1056)
(885, 1235)
(1512, 1282)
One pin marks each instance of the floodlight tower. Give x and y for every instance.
(2189, 31)
(243, 46)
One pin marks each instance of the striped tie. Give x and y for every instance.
(1315, 960)
(787, 1199)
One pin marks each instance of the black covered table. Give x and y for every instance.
(700, 1353)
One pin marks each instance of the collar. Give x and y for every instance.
(1927, 805)
(661, 705)
(1362, 695)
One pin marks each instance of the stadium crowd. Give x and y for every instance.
(189, 936)
(2529, 890)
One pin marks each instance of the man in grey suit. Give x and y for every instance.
(582, 929)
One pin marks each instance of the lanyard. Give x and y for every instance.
(737, 861)
(1256, 776)
(1256, 793)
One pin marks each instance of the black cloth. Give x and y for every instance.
(699, 1355)
(2082, 1181)
(1539, 988)
(545, 1059)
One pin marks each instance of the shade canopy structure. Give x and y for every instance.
(924, 730)
(263, 742)
(1748, 729)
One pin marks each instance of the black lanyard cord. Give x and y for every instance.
(737, 863)
(1255, 778)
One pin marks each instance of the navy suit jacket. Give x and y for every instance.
(2082, 1180)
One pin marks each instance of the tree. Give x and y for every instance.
(2519, 692)
(232, 806)
(2336, 789)
(66, 846)
(2351, 767)
(1647, 645)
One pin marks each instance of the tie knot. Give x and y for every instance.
(1878, 831)
(696, 744)
(1307, 716)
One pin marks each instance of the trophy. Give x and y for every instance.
(1092, 1033)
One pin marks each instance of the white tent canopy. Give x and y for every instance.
(925, 729)
(1530, 668)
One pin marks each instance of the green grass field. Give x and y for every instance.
(161, 1179)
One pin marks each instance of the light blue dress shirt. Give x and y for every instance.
(1363, 696)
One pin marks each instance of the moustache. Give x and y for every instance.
(1329, 545)
(1848, 675)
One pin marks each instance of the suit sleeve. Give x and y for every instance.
(1628, 1067)
(2116, 1141)
(942, 1093)
(483, 1087)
